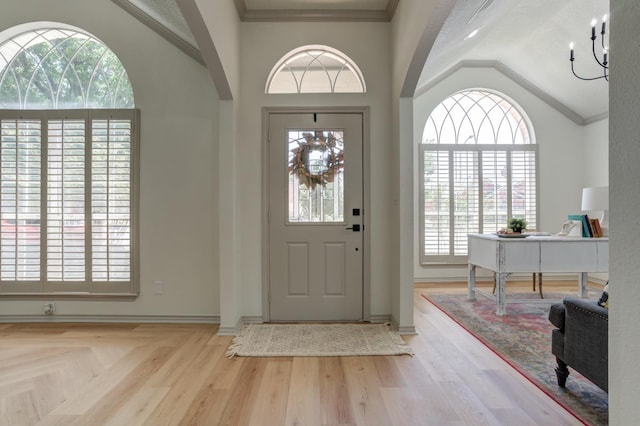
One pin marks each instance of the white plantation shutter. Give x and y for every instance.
(478, 169)
(68, 188)
(65, 231)
(437, 201)
(465, 199)
(111, 200)
(523, 186)
(495, 190)
(20, 185)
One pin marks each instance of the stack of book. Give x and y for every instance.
(590, 226)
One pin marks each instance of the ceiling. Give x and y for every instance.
(527, 40)
(530, 39)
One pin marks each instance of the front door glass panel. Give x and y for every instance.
(316, 176)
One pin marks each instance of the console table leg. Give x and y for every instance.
(582, 284)
(471, 282)
(501, 294)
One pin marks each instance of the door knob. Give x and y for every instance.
(355, 227)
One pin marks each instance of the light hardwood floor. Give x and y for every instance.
(93, 374)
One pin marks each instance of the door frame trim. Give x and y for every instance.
(366, 192)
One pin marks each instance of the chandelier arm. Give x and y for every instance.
(593, 49)
(588, 79)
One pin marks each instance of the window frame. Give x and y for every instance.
(451, 258)
(86, 288)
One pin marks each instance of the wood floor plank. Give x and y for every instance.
(184, 392)
(270, 408)
(97, 390)
(388, 372)
(423, 390)
(126, 389)
(186, 348)
(335, 398)
(364, 387)
(210, 401)
(18, 409)
(137, 409)
(243, 392)
(303, 401)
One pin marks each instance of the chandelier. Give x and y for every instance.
(603, 61)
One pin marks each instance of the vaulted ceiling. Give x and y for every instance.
(526, 40)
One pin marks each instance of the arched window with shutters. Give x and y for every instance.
(68, 145)
(478, 168)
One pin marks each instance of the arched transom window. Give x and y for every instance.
(478, 169)
(315, 69)
(59, 68)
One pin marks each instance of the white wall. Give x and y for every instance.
(561, 154)
(596, 153)
(178, 180)
(263, 44)
(624, 191)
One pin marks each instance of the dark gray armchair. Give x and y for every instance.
(581, 340)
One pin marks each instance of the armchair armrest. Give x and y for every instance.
(586, 331)
(556, 315)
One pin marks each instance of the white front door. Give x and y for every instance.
(315, 217)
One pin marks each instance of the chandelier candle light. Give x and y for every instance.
(604, 63)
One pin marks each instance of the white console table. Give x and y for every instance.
(534, 254)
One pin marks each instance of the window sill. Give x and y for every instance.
(69, 296)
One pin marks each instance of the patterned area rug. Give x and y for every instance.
(523, 339)
(317, 340)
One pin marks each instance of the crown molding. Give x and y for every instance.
(597, 117)
(517, 78)
(161, 30)
(266, 15)
(392, 5)
(241, 8)
(315, 15)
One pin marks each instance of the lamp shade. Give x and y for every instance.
(595, 198)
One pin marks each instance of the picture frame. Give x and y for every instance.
(584, 223)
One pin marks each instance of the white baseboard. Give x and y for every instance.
(146, 319)
(406, 330)
(227, 331)
(380, 318)
(233, 331)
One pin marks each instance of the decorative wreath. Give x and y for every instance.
(334, 160)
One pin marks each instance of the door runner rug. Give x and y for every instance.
(267, 340)
(523, 339)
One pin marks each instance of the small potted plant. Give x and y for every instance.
(517, 225)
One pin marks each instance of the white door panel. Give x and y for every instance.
(315, 195)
